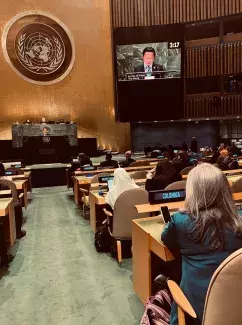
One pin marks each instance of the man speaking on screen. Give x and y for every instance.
(148, 66)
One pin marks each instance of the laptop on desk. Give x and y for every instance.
(105, 179)
(110, 183)
(105, 187)
(11, 173)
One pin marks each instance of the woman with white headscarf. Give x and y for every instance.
(122, 182)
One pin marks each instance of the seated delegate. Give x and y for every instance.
(109, 162)
(214, 157)
(128, 160)
(181, 161)
(2, 169)
(122, 182)
(222, 155)
(225, 162)
(160, 177)
(206, 233)
(9, 185)
(169, 152)
(83, 160)
(184, 146)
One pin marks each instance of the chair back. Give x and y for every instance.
(95, 179)
(237, 186)
(140, 163)
(139, 174)
(124, 212)
(6, 183)
(223, 304)
(180, 185)
(15, 169)
(186, 170)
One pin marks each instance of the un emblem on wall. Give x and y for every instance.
(40, 52)
(38, 47)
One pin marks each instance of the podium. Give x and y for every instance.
(46, 149)
(21, 131)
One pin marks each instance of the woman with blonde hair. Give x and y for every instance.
(206, 233)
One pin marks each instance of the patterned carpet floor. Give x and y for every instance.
(57, 277)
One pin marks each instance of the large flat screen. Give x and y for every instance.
(149, 73)
(149, 61)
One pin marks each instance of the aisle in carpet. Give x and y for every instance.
(57, 277)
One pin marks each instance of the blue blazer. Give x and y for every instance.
(198, 262)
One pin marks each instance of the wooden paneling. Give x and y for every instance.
(213, 106)
(214, 60)
(162, 12)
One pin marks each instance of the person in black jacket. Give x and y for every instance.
(164, 174)
(214, 157)
(194, 145)
(2, 169)
(128, 161)
(74, 166)
(109, 162)
(184, 146)
(83, 160)
(225, 161)
(181, 161)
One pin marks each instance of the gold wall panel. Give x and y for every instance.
(86, 95)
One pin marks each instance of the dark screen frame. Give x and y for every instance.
(142, 35)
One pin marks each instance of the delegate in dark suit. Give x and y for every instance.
(155, 67)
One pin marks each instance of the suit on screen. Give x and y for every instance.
(155, 67)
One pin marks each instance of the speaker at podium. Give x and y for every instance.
(46, 149)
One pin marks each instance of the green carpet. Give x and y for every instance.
(57, 277)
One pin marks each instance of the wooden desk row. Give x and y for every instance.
(233, 172)
(82, 181)
(146, 239)
(7, 204)
(22, 185)
(98, 171)
(7, 208)
(96, 201)
(146, 235)
(79, 182)
(152, 208)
